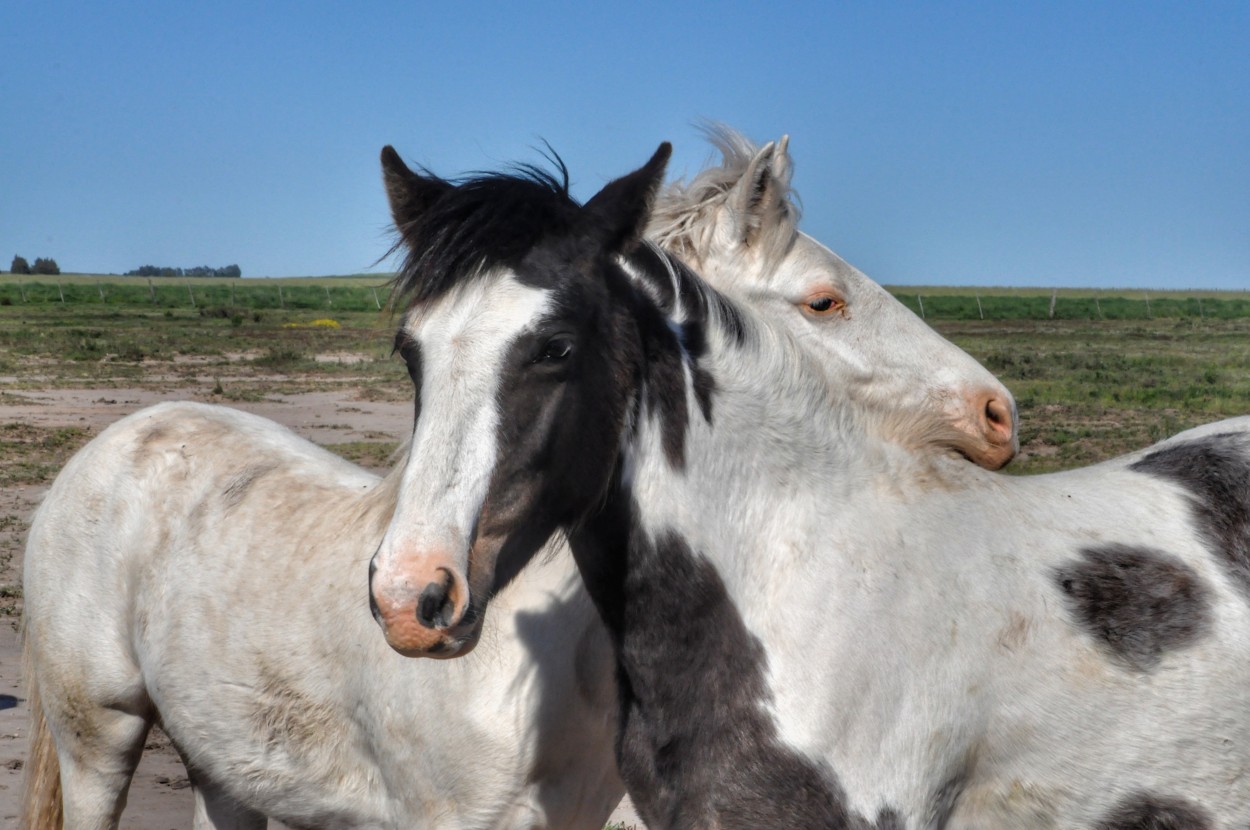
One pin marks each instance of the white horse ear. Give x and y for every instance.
(758, 200)
(409, 193)
(783, 165)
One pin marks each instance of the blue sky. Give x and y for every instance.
(1049, 144)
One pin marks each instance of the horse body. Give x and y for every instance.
(224, 602)
(814, 624)
(919, 643)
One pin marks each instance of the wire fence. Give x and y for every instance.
(949, 304)
(1056, 306)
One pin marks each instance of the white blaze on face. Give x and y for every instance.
(465, 339)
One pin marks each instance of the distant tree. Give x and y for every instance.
(20, 265)
(197, 271)
(45, 266)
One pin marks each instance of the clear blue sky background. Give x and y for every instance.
(1052, 144)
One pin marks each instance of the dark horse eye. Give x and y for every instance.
(557, 348)
(823, 304)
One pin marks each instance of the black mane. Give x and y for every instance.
(478, 223)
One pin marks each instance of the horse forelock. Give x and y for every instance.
(683, 219)
(480, 223)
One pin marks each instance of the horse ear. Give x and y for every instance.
(409, 193)
(758, 200)
(623, 206)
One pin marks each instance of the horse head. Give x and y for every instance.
(518, 327)
(737, 225)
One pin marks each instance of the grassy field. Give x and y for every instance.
(368, 292)
(1088, 386)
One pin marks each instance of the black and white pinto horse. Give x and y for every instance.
(203, 568)
(814, 625)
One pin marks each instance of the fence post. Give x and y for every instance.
(152, 290)
(281, 302)
(1054, 295)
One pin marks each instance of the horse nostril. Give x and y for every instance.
(436, 607)
(998, 417)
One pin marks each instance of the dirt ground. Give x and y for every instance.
(159, 795)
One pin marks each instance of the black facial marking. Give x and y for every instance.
(1137, 602)
(559, 442)
(1145, 811)
(696, 746)
(410, 351)
(1216, 471)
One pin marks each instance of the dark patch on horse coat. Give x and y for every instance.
(238, 486)
(1145, 811)
(1216, 471)
(1137, 602)
(672, 284)
(696, 746)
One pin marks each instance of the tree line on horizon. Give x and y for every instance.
(48, 267)
(198, 271)
(43, 266)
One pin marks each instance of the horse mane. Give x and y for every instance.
(478, 223)
(683, 218)
(679, 291)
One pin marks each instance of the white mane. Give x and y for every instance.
(684, 218)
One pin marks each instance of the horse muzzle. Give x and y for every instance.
(423, 605)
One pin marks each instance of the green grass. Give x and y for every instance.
(1090, 390)
(1088, 387)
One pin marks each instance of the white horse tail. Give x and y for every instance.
(42, 807)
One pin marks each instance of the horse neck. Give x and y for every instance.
(766, 460)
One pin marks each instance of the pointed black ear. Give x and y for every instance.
(409, 193)
(623, 206)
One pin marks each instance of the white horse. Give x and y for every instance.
(814, 625)
(204, 569)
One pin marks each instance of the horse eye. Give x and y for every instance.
(557, 348)
(823, 305)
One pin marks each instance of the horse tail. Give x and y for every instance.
(42, 806)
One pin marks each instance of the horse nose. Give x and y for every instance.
(418, 603)
(995, 423)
